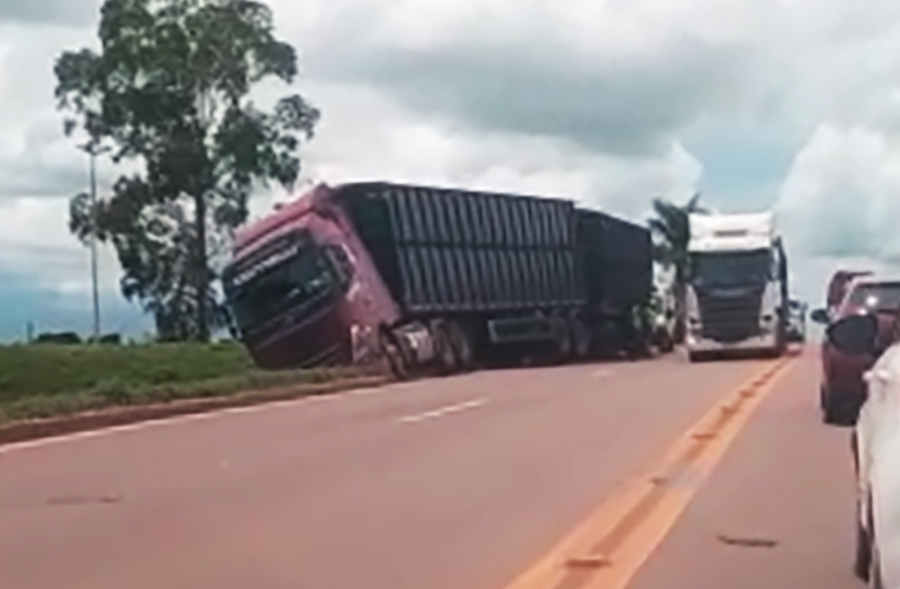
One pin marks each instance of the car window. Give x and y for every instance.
(884, 296)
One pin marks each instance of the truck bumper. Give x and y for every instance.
(764, 342)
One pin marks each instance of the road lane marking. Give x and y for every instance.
(602, 373)
(607, 549)
(441, 411)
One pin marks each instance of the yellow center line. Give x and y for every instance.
(607, 549)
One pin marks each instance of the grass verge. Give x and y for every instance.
(51, 384)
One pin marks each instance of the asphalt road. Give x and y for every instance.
(461, 482)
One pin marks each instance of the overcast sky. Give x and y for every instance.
(792, 104)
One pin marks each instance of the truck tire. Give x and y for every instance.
(447, 356)
(461, 341)
(392, 351)
(666, 345)
(581, 338)
(562, 337)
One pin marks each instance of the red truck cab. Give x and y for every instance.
(301, 289)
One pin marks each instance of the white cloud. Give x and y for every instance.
(582, 98)
(67, 12)
(35, 241)
(842, 195)
(365, 136)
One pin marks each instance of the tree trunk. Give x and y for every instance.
(202, 271)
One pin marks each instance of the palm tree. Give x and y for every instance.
(671, 232)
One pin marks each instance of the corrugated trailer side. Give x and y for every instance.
(445, 251)
(617, 259)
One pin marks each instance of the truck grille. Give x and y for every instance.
(730, 317)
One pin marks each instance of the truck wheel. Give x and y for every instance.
(461, 341)
(393, 353)
(447, 358)
(562, 336)
(666, 342)
(581, 338)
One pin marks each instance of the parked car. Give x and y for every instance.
(842, 390)
(876, 446)
(796, 328)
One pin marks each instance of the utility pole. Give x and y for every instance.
(93, 150)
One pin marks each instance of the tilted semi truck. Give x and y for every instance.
(426, 276)
(737, 291)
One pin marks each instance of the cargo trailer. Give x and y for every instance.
(438, 277)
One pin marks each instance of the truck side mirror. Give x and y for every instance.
(820, 316)
(856, 334)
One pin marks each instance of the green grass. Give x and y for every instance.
(49, 380)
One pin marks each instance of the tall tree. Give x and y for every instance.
(170, 88)
(671, 231)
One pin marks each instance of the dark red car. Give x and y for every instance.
(843, 390)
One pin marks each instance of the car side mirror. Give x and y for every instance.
(856, 334)
(820, 316)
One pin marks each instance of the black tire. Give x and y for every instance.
(392, 353)
(666, 345)
(562, 336)
(581, 338)
(837, 414)
(461, 340)
(831, 414)
(447, 357)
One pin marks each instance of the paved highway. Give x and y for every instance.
(651, 475)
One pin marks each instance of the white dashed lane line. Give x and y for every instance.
(442, 411)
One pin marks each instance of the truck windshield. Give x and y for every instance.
(731, 268)
(288, 284)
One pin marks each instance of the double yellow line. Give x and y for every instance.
(608, 548)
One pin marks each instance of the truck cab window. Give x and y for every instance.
(290, 283)
(341, 263)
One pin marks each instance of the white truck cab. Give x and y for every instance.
(736, 295)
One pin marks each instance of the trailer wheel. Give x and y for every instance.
(562, 336)
(446, 353)
(461, 342)
(581, 337)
